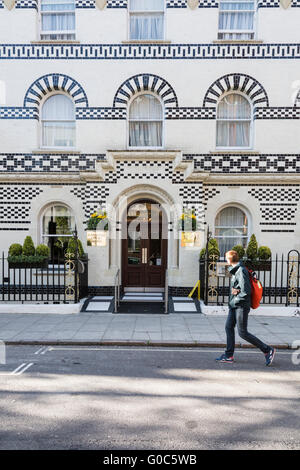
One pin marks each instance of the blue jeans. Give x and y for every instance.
(239, 316)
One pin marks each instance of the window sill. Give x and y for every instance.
(147, 41)
(238, 41)
(54, 151)
(55, 41)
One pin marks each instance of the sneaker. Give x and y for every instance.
(224, 358)
(270, 356)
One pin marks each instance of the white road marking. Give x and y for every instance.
(40, 350)
(18, 368)
(21, 371)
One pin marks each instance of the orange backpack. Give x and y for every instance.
(256, 289)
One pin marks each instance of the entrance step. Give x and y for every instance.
(184, 305)
(99, 304)
(145, 297)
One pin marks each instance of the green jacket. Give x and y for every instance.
(240, 280)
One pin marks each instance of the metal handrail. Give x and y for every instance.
(166, 291)
(117, 290)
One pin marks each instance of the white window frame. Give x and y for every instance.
(43, 236)
(148, 12)
(241, 208)
(42, 146)
(251, 130)
(148, 120)
(237, 31)
(57, 32)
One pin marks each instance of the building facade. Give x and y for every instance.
(191, 105)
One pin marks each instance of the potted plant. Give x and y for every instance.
(27, 256)
(213, 250)
(97, 218)
(240, 250)
(258, 258)
(71, 249)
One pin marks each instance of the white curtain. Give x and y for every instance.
(233, 121)
(145, 122)
(236, 20)
(58, 122)
(145, 25)
(61, 18)
(231, 228)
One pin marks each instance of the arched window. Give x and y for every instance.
(57, 19)
(58, 122)
(234, 119)
(231, 228)
(146, 19)
(145, 122)
(58, 225)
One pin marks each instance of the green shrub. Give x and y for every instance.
(264, 252)
(28, 247)
(71, 249)
(42, 250)
(252, 248)
(240, 250)
(15, 249)
(213, 249)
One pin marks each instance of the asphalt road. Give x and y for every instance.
(147, 398)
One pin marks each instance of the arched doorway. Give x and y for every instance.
(144, 246)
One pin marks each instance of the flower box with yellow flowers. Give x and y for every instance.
(97, 221)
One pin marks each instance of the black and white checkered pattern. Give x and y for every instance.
(101, 113)
(278, 214)
(143, 169)
(190, 113)
(18, 112)
(277, 113)
(35, 163)
(18, 193)
(267, 194)
(247, 163)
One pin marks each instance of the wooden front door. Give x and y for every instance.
(144, 246)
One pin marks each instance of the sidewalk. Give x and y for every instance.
(140, 329)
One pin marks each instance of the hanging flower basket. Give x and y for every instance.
(188, 222)
(97, 221)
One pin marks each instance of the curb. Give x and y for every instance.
(181, 344)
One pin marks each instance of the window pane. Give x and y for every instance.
(56, 5)
(146, 26)
(233, 134)
(147, 5)
(231, 228)
(146, 107)
(59, 134)
(58, 107)
(231, 217)
(145, 134)
(234, 106)
(61, 221)
(237, 5)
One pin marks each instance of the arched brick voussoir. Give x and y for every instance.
(145, 82)
(239, 82)
(55, 82)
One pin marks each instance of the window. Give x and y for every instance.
(146, 19)
(57, 19)
(231, 228)
(236, 19)
(145, 122)
(58, 122)
(234, 121)
(58, 225)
